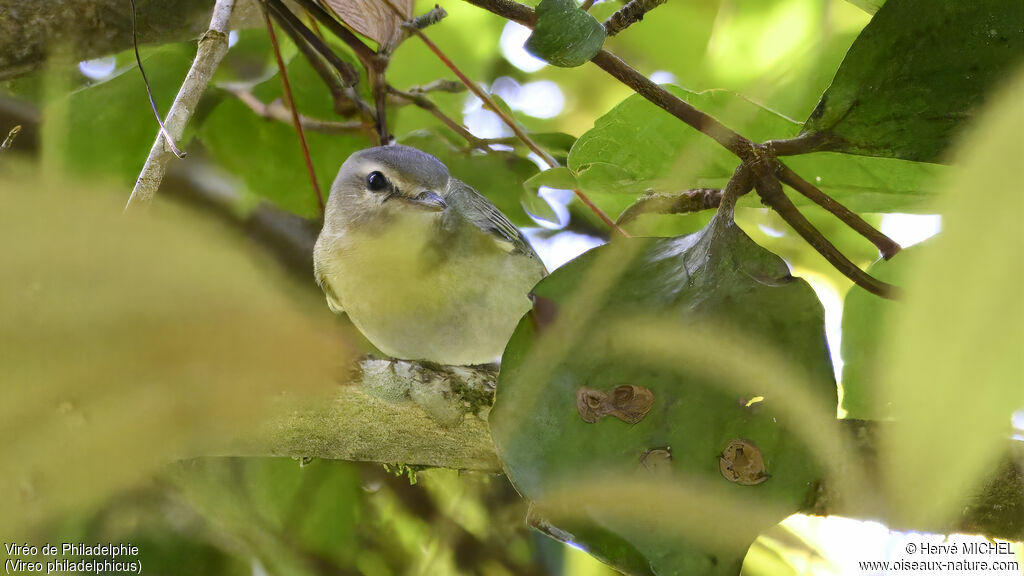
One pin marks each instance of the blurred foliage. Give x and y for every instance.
(125, 344)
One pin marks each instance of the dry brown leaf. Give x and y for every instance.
(374, 18)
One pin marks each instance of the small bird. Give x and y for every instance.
(426, 267)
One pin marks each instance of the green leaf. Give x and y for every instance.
(110, 126)
(619, 315)
(565, 35)
(267, 157)
(637, 147)
(950, 360)
(869, 6)
(918, 71)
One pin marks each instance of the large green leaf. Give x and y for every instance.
(916, 73)
(638, 146)
(589, 328)
(108, 128)
(565, 35)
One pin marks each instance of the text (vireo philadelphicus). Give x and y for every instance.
(424, 266)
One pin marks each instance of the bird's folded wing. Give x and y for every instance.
(484, 215)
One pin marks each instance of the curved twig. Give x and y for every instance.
(212, 47)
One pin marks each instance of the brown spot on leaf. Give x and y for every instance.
(742, 463)
(627, 403)
(657, 461)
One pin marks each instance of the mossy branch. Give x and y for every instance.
(394, 411)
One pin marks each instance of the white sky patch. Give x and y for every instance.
(486, 124)
(1018, 424)
(540, 162)
(910, 229)
(512, 39)
(833, 305)
(560, 248)
(663, 77)
(558, 200)
(541, 99)
(99, 68)
(232, 38)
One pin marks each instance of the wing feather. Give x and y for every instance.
(480, 212)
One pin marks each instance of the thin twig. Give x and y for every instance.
(802, 144)
(739, 184)
(325, 62)
(289, 102)
(9, 141)
(276, 110)
(440, 85)
(212, 47)
(672, 203)
(435, 15)
(149, 91)
(887, 246)
(291, 22)
(612, 64)
(365, 54)
(379, 88)
(423, 102)
(629, 14)
(770, 190)
(488, 101)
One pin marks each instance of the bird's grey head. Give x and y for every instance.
(387, 177)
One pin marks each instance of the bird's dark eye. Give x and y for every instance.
(377, 182)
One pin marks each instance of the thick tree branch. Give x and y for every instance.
(428, 415)
(33, 32)
(391, 412)
(212, 48)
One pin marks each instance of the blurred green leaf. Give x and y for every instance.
(638, 147)
(918, 71)
(950, 357)
(865, 324)
(172, 339)
(565, 35)
(716, 277)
